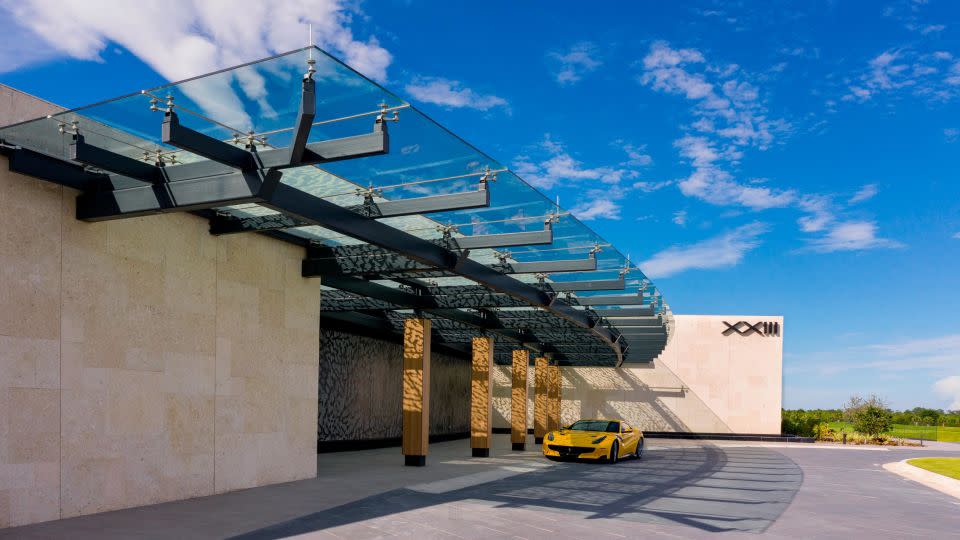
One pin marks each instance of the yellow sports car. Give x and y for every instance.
(608, 440)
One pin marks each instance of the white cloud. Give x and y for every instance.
(956, 235)
(680, 217)
(819, 212)
(575, 63)
(865, 193)
(949, 388)
(851, 236)
(929, 75)
(597, 204)
(186, 38)
(715, 185)
(555, 165)
(722, 251)
(932, 29)
(951, 135)
(929, 354)
(650, 187)
(451, 94)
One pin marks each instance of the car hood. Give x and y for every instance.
(581, 438)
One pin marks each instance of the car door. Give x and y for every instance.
(630, 437)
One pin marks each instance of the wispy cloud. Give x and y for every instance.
(680, 218)
(573, 64)
(723, 251)
(929, 354)
(729, 118)
(548, 164)
(949, 388)
(951, 135)
(851, 236)
(930, 75)
(956, 235)
(451, 94)
(865, 193)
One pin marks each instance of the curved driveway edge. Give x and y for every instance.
(932, 480)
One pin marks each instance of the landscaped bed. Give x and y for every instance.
(949, 467)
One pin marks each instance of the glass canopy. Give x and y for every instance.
(256, 106)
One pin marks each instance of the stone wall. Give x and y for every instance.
(365, 404)
(704, 382)
(144, 360)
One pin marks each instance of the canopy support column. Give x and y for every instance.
(540, 399)
(481, 396)
(518, 400)
(553, 397)
(416, 391)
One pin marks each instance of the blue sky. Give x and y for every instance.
(754, 158)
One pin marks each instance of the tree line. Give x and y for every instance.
(870, 416)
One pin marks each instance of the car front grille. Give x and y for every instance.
(570, 450)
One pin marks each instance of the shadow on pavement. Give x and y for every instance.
(707, 487)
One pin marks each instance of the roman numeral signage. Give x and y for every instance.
(744, 328)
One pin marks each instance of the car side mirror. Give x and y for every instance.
(628, 430)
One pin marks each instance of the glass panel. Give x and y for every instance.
(259, 101)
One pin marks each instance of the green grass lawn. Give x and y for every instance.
(945, 466)
(929, 433)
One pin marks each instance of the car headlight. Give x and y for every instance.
(550, 436)
(599, 440)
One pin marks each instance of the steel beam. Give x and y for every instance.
(481, 241)
(357, 146)
(305, 115)
(40, 165)
(211, 192)
(376, 261)
(616, 300)
(228, 224)
(318, 211)
(83, 152)
(646, 311)
(592, 285)
(626, 322)
(175, 134)
(550, 267)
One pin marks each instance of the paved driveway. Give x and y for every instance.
(679, 489)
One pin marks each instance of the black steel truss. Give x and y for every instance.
(230, 174)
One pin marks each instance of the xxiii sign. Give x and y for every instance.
(745, 329)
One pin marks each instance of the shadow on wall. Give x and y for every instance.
(619, 393)
(652, 398)
(361, 392)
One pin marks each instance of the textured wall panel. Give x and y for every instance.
(361, 391)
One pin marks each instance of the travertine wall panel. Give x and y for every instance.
(704, 382)
(29, 349)
(144, 360)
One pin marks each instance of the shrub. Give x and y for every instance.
(872, 420)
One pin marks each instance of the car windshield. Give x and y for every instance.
(596, 425)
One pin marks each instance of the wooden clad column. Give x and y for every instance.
(481, 396)
(416, 391)
(539, 399)
(553, 397)
(557, 379)
(518, 400)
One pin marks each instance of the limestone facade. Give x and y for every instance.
(144, 360)
(705, 381)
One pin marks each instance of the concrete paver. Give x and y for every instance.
(680, 489)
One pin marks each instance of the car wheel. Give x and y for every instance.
(638, 453)
(614, 453)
